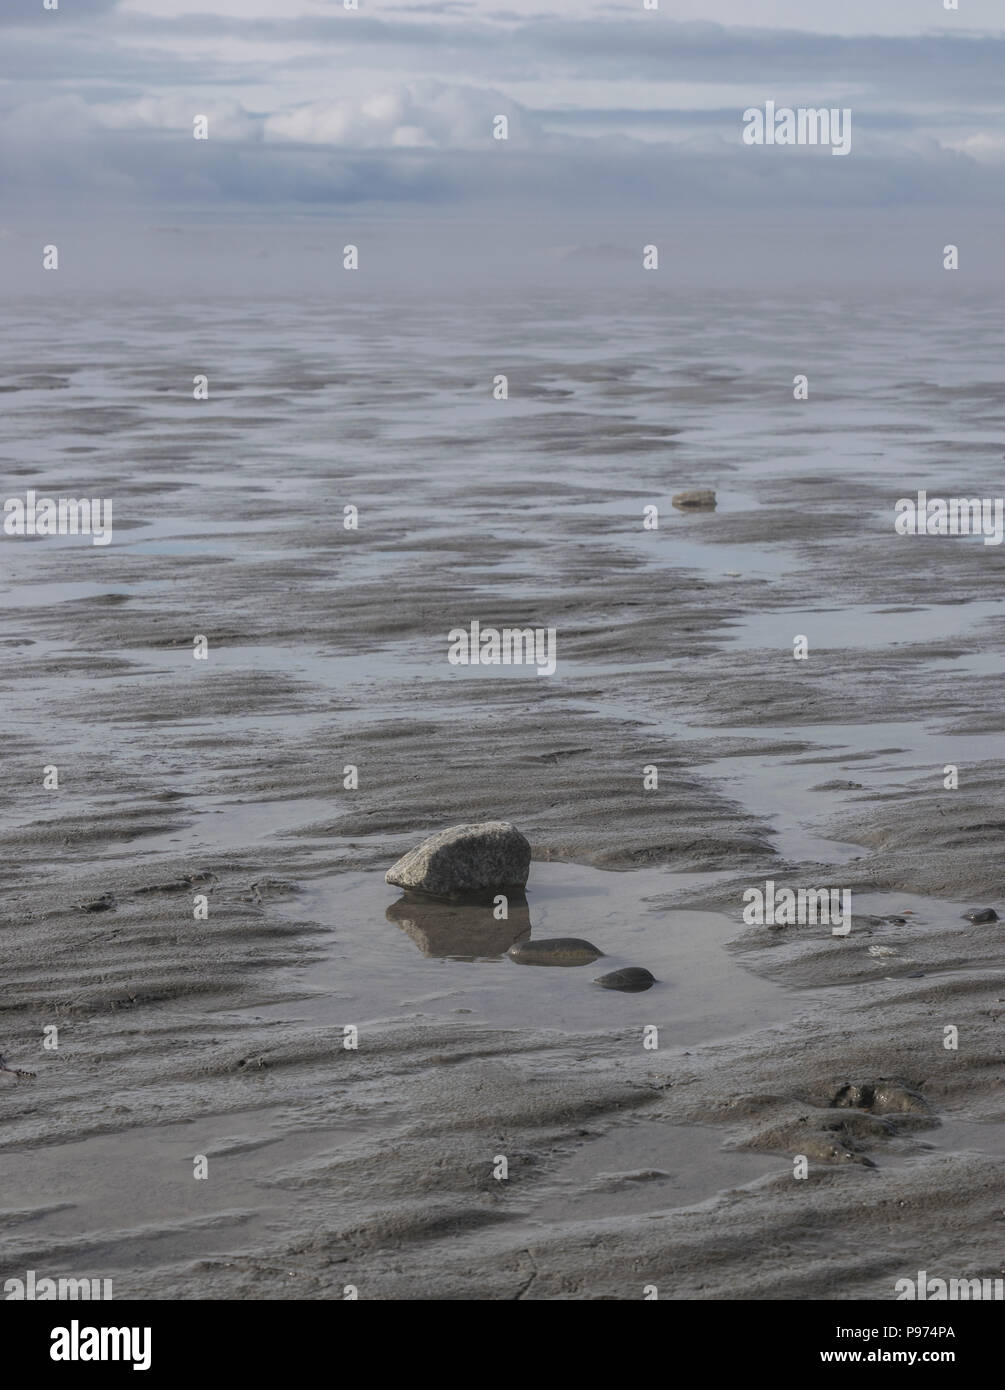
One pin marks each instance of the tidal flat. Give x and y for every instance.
(352, 1066)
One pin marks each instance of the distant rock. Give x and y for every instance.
(593, 255)
(555, 950)
(981, 915)
(490, 857)
(632, 980)
(881, 1097)
(697, 498)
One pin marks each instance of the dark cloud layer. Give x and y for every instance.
(632, 47)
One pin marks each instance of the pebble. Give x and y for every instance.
(696, 497)
(632, 979)
(981, 915)
(554, 950)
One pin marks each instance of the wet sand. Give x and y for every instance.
(628, 1165)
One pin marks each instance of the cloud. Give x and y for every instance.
(227, 118)
(444, 7)
(109, 107)
(416, 115)
(631, 46)
(78, 60)
(987, 146)
(22, 14)
(426, 144)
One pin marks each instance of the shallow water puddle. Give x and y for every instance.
(724, 560)
(42, 595)
(860, 625)
(225, 825)
(649, 1166)
(794, 791)
(985, 1137)
(130, 1198)
(393, 955)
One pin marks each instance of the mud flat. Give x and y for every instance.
(353, 1067)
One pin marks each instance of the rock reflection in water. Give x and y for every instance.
(459, 929)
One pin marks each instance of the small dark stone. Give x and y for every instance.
(981, 914)
(632, 979)
(104, 904)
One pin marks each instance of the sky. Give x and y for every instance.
(384, 114)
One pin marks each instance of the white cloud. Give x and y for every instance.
(228, 119)
(68, 117)
(986, 146)
(432, 115)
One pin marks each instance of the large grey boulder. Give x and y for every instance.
(492, 856)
